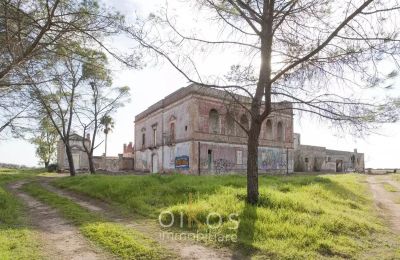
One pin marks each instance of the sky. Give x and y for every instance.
(155, 81)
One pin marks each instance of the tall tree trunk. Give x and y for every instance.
(252, 162)
(70, 161)
(105, 146)
(263, 89)
(91, 164)
(46, 165)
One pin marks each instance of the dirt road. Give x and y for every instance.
(387, 202)
(60, 239)
(185, 249)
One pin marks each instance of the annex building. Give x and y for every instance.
(191, 131)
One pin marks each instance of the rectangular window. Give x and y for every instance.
(209, 160)
(239, 157)
(172, 132)
(143, 139)
(154, 136)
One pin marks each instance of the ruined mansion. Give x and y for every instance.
(191, 131)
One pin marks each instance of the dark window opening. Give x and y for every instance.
(269, 130)
(213, 121)
(172, 130)
(230, 125)
(155, 136)
(280, 132)
(244, 121)
(209, 159)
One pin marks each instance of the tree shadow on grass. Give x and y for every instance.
(328, 184)
(246, 230)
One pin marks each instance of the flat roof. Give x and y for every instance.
(195, 89)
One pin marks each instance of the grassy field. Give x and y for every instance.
(329, 216)
(396, 176)
(389, 187)
(123, 242)
(17, 241)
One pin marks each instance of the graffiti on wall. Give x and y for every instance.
(182, 162)
(223, 165)
(203, 163)
(218, 165)
(273, 160)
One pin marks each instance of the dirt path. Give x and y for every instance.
(60, 239)
(385, 200)
(185, 249)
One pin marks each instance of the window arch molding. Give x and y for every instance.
(213, 122)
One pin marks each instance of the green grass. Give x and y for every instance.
(389, 187)
(297, 217)
(396, 176)
(17, 240)
(115, 238)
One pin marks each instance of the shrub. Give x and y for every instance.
(52, 167)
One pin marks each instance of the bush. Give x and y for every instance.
(52, 167)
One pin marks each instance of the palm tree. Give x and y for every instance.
(108, 124)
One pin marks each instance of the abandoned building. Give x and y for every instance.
(309, 158)
(128, 151)
(191, 131)
(122, 162)
(194, 130)
(79, 155)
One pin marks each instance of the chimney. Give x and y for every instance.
(88, 137)
(124, 148)
(355, 150)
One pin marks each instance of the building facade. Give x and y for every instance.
(122, 163)
(81, 161)
(194, 130)
(309, 158)
(128, 150)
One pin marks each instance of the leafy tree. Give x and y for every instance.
(14, 110)
(46, 142)
(30, 29)
(31, 33)
(58, 97)
(98, 101)
(321, 56)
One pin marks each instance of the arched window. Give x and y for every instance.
(172, 132)
(230, 125)
(213, 121)
(268, 130)
(280, 132)
(244, 121)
